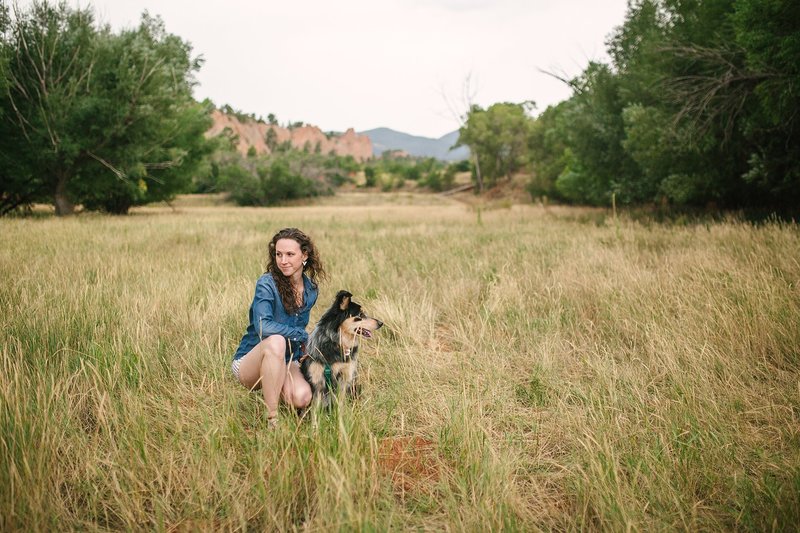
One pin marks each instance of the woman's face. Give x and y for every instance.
(289, 257)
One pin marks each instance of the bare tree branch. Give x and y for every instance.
(568, 82)
(717, 93)
(117, 172)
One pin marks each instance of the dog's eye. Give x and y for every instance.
(356, 318)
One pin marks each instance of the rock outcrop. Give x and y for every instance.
(252, 133)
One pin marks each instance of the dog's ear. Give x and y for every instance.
(343, 300)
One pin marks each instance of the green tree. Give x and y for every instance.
(104, 119)
(722, 75)
(547, 150)
(46, 45)
(668, 167)
(768, 31)
(370, 179)
(701, 104)
(598, 165)
(271, 139)
(497, 137)
(270, 179)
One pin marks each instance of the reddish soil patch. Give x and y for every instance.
(412, 463)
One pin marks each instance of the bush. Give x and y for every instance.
(370, 177)
(439, 180)
(462, 166)
(269, 180)
(412, 173)
(268, 185)
(388, 182)
(243, 184)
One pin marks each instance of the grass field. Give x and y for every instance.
(540, 369)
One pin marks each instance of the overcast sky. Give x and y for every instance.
(371, 63)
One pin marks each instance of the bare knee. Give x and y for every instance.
(302, 397)
(299, 398)
(273, 346)
(296, 391)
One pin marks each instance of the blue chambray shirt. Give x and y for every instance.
(268, 317)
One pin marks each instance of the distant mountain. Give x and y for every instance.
(252, 134)
(388, 139)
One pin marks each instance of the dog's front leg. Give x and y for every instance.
(348, 380)
(353, 389)
(315, 375)
(323, 397)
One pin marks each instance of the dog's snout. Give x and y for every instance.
(379, 323)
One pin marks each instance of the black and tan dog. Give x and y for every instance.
(331, 360)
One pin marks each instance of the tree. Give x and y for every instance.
(370, 179)
(666, 118)
(547, 150)
(95, 117)
(595, 134)
(468, 93)
(724, 76)
(272, 179)
(497, 136)
(52, 53)
(271, 139)
(768, 32)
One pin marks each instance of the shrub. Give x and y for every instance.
(370, 177)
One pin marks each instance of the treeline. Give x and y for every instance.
(94, 117)
(287, 173)
(107, 120)
(700, 105)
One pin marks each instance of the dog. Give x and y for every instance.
(331, 358)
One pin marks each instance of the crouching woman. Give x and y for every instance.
(269, 353)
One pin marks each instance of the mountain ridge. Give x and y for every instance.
(384, 139)
(251, 134)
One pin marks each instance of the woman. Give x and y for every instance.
(268, 356)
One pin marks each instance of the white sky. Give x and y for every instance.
(371, 63)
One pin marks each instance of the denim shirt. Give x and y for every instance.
(268, 317)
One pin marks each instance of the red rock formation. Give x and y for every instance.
(251, 133)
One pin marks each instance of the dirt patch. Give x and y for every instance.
(503, 194)
(412, 463)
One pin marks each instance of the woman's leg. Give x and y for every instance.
(296, 390)
(264, 367)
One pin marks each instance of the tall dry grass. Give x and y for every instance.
(539, 369)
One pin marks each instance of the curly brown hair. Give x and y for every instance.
(313, 267)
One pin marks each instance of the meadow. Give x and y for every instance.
(540, 368)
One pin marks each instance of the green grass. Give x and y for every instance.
(563, 370)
